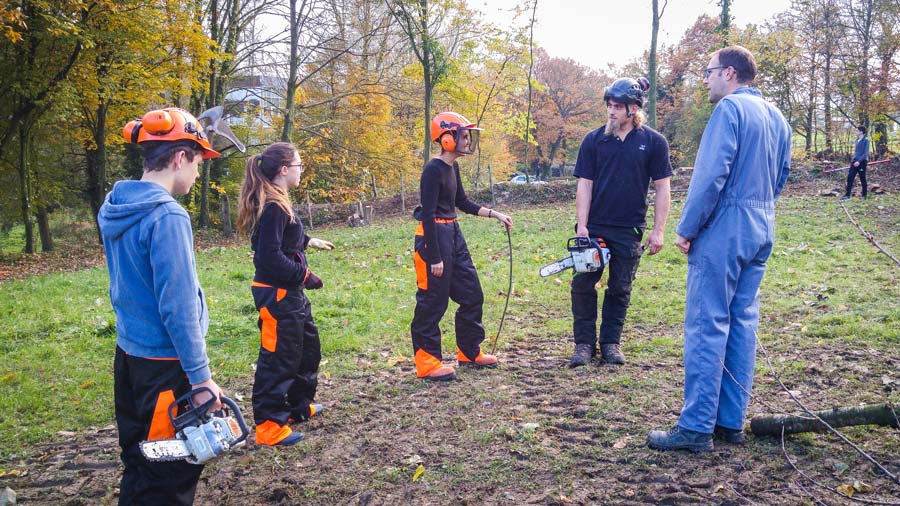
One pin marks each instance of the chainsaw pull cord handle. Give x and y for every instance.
(233, 409)
(508, 291)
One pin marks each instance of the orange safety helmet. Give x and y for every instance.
(452, 123)
(170, 124)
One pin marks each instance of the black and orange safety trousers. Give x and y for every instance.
(144, 390)
(287, 369)
(458, 282)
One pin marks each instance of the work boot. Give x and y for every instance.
(679, 438)
(583, 354)
(733, 436)
(311, 411)
(612, 353)
(481, 361)
(443, 373)
(269, 433)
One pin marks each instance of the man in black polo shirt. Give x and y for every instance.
(615, 165)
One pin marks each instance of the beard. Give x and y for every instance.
(611, 126)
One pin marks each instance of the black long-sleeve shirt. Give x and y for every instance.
(278, 247)
(441, 193)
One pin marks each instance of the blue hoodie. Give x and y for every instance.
(159, 304)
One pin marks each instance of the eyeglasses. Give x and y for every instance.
(709, 71)
(294, 165)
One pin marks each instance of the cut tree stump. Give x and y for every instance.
(873, 414)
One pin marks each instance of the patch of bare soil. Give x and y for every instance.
(530, 432)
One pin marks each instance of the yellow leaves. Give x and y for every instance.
(216, 188)
(419, 472)
(848, 489)
(87, 384)
(9, 377)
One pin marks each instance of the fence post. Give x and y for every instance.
(227, 230)
(309, 210)
(491, 182)
(402, 195)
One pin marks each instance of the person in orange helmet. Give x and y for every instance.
(444, 268)
(161, 312)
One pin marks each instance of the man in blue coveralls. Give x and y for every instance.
(727, 229)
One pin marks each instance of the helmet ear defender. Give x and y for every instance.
(448, 141)
(158, 122)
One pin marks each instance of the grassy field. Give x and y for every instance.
(830, 320)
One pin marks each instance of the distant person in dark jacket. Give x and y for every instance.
(858, 165)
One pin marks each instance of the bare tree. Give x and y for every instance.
(652, 66)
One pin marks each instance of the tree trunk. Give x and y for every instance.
(43, 220)
(203, 220)
(294, 63)
(530, 72)
(810, 110)
(873, 414)
(25, 186)
(651, 71)
(826, 99)
(426, 68)
(96, 166)
(724, 27)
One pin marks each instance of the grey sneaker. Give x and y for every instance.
(612, 354)
(583, 354)
(845, 197)
(733, 436)
(679, 438)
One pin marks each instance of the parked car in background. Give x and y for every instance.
(522, 179)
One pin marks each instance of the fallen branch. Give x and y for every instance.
(816, 483)
(874, 414)
(869, 236)
(829, 427)
(867, 166)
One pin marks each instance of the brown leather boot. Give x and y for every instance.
(482, 360)
(443, 373)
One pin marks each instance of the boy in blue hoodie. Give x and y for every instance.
(161, 314)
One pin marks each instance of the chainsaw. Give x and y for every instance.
(585, 255)
(199, 435)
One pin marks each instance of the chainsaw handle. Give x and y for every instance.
(581, 242)
(231, 406)
(194, 412)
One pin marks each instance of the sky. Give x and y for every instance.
(599, 33)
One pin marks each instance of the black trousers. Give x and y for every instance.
(144, 389)
(287, 369)
(861, 170)
(458, 282)
(624, 245)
